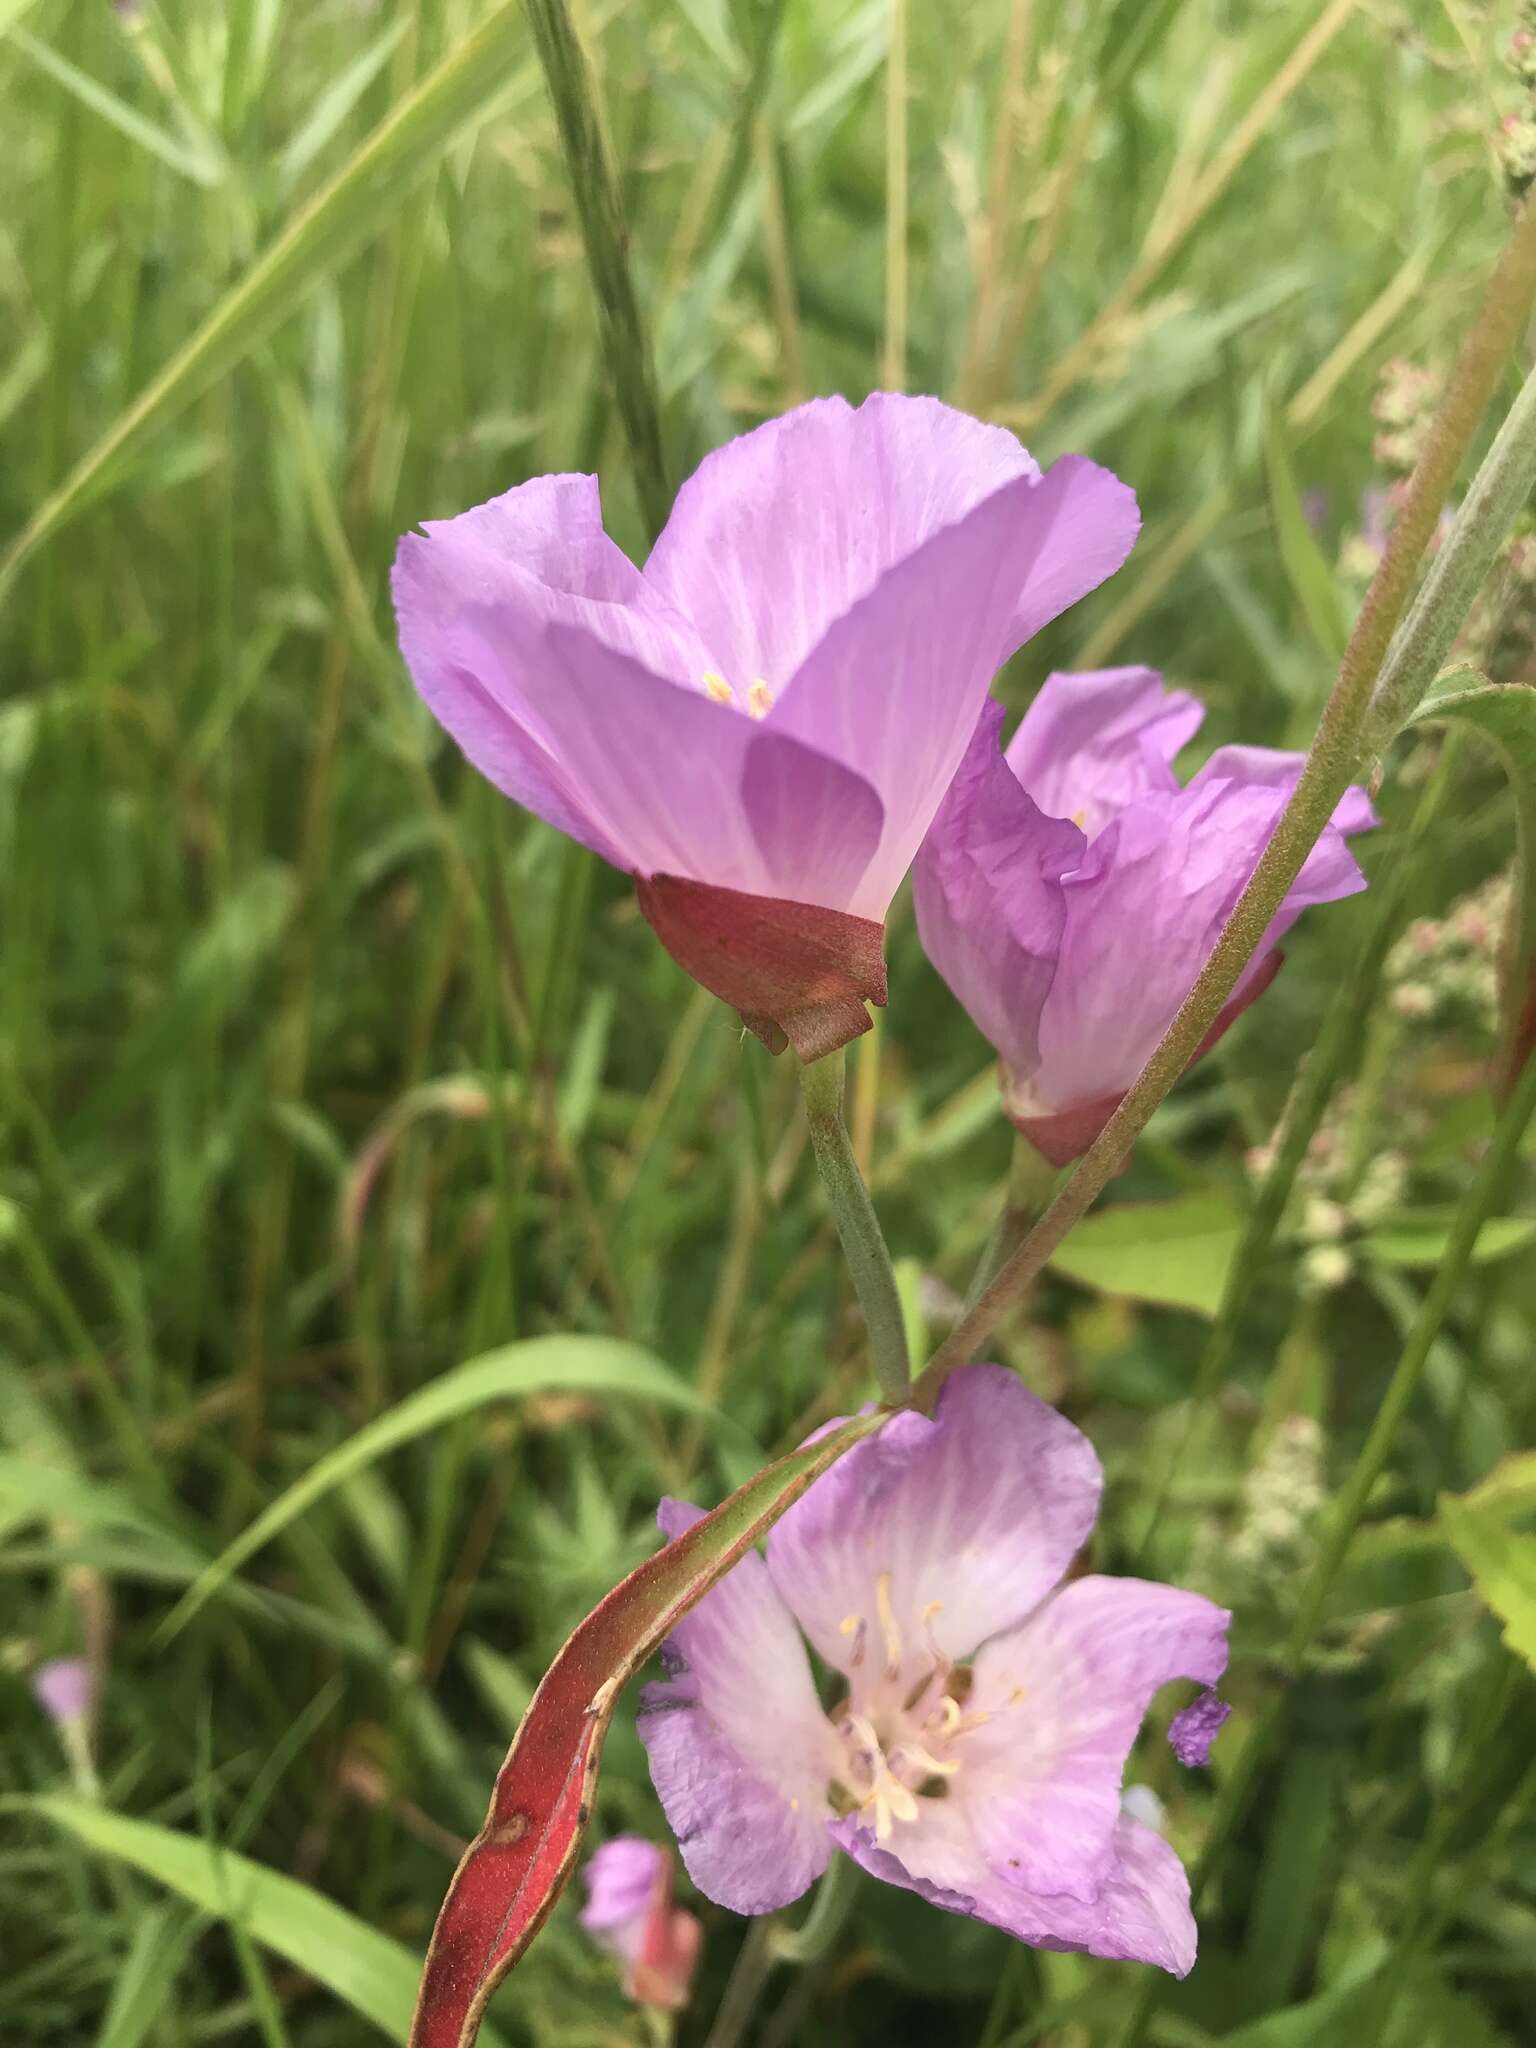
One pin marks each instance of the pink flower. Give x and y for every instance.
(761, 723)
(989, 1704)
(64, 1690)
(629, 1912)
(1070, 891)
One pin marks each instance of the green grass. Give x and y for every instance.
(322, 1071)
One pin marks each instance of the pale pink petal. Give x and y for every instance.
(1091, 742)
(895, 686)
(955, 1529)
(674, 783)
(1066, 1695)
(987, 891)
(1141, 1912)
(782, 530)
(741, 1753)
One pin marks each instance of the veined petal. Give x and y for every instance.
(1091, 742)
(779, 532)
(895, 685)
(950, 1531)
(987, 890)
(675, 783)
(1141, 1912)
(1066, 1695)
(741, 1754)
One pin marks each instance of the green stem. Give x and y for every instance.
(753, 1962)
(1310, 1096)
(864, 1244)
(1350, 1505)
(1333, 760)
(814, 1937)
(1030, 1180)
(1460, 568)
(595, 189)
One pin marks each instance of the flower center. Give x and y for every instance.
(759, 696)
(897, 1732)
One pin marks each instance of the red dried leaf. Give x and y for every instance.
(799, 975)
(517, 1866)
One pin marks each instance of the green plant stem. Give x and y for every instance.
(1350, 1506)
(830, 1908)
(595, 188)
(755, 1960)
(1031, 1177)
(1333, 760)
(1460, 568)
(864, 1244)
(1309, 1098)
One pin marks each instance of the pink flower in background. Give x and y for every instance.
(629, 1912)
(1070, 891)
(761, 723)
(64, 1690)
(989, 1705)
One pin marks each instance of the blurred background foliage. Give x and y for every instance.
(322, 1070)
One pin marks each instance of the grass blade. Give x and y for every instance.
(357, 203)
(360, 1966)
(595, 1365)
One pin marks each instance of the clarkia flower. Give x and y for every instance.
(629, 1912)
(988, 1705)
(1070, 891)
(760, 724)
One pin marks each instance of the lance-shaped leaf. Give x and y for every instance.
(518, 1864)
(1505, 715)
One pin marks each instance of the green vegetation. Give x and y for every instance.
(368, 1167)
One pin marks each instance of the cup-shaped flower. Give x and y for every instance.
(988, 1705)
(1069, 891)
(629, 1912)
(760, 724)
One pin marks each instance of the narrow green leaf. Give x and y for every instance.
(202, 168)
(1312, 581)
(357, 1964)
(1505, 715)
(1421, 1244)
(360, 200)
(594, 1365)
(335, 103)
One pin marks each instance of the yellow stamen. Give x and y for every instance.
(718, 687)
(853, 1625)
(914, 1753)
(1080, 820)
(888, 1628)
(949, 1715)
(759, 699)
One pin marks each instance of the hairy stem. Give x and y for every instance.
(1459, 570)
(1476, 1206)
(1334, 758)
(1310, 1096)
(864, 1244)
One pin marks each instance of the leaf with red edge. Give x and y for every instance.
(1505, 715)
(518, 1864)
